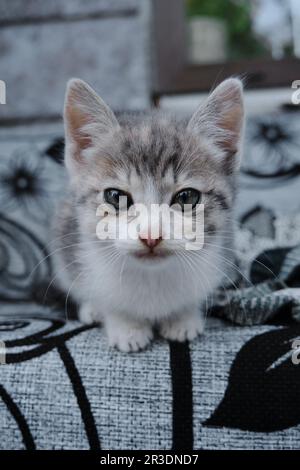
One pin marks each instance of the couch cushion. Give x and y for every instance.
(63, 388)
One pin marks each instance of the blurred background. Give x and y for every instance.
(140, 52)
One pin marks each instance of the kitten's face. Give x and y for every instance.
(153, 160)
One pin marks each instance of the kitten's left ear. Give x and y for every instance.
(221, 117)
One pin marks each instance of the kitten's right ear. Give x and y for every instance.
(221, 118)
(86, 117)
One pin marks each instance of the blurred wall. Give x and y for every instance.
(44, 43)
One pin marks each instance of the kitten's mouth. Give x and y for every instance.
(151, 255)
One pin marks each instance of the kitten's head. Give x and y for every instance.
(153, 159)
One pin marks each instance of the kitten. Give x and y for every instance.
(133, 286)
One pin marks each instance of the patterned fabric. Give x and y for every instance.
(269, 278)
(268, 210)
(31, 182)
(63, 388)
(235, 388)
(270, 176)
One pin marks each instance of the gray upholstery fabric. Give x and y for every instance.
(76, 393)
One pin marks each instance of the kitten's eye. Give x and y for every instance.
(112, 196)
(187, 196)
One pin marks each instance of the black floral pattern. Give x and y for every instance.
(21, 269)
(30, 184)
(272, 150)
(26, 185)
(262, 394)
(51, 336)
(47, 335)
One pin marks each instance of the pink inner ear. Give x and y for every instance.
(230, 116)
(221, 116)
(76, 120)
(231, 121)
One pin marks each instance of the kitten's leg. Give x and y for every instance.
(126, 334)
(87, 314)
(185, 326)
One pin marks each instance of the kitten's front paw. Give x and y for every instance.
(87, 314)
(183, 328)
(128, 337)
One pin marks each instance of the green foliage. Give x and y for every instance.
(215, 8)
(237, 16)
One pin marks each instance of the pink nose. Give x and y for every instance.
(150, 242)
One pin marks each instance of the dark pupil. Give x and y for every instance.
(112, 196)
(188, 197)
(185, 197)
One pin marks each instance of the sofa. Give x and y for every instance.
(236, 387)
